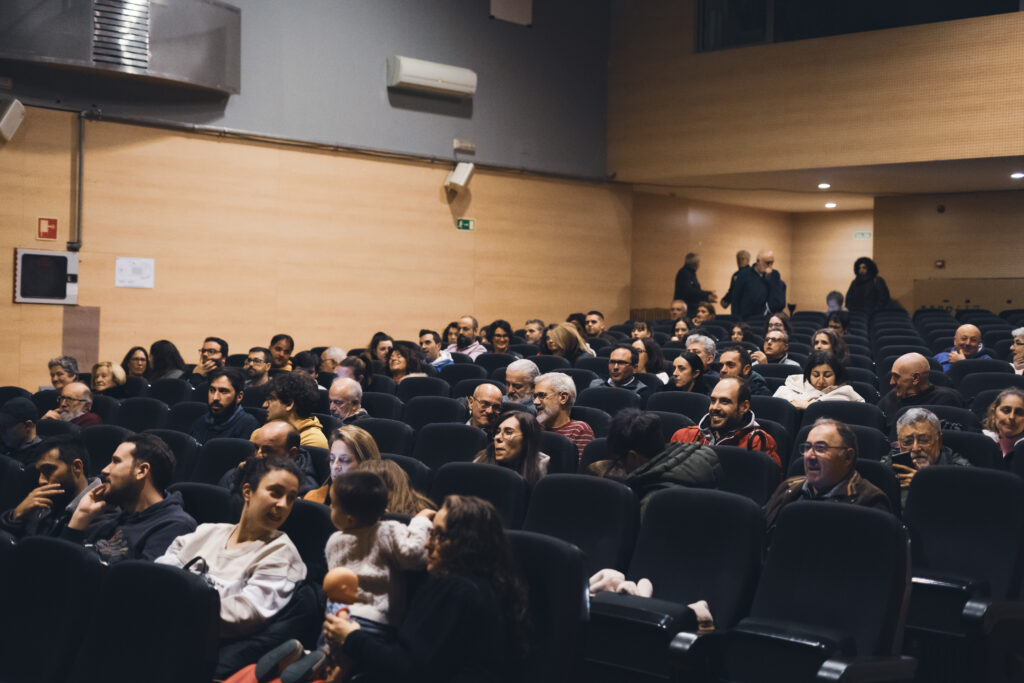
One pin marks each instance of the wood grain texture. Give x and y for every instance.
(824, 250)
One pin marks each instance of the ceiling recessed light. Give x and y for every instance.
(830, 205)
(1017, 176)
(823, 186)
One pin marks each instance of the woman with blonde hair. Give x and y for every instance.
(350, 446)
(565, 340)
(402, 498)
(108, 378)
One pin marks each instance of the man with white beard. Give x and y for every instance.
(75, 406)
(554, 394)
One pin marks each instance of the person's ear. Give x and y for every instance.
(77, 467)
(246, 492)
(141, 470)
(745, 407)
(238, 397)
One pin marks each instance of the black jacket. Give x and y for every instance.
(753, 294)
(688, 288)
(867, 293)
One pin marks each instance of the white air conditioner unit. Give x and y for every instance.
(419, 74)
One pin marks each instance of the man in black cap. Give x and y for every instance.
(18, 419)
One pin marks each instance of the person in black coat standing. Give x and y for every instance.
(868, 292)
(688, 286)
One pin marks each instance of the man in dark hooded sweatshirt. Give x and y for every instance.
(225, 417)
(868, 292)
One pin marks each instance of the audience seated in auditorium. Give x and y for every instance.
(823, 379)
(776, 350)
(127, 517)
(919, 445)
(402, 498)
(499, 333)
(641, 460)
(293, 397)
(1004, 421)
(730, 422)
(75, 406)
(912, 387)
(136, 362)
(212, 356)
(759, 290)
(827, 339)
(307, 362)
(622, 368)
(1017, 351)
(63, 371)
(430, 345)
(829, 454)
(651, 359)
(108, 379)
(281, 347)
(167, 362)
(467, 622)
(278, 439)
(61, 484)
(330, 358)
(736, 363)
(520, 376)
(350, 446)
(534, 332)
(742, 262)
(467, 341)
(554, 395)
(966, 345)
(677, 309)
(565, 341)
(706, 350)
(681, 329)
(596, 328)
(688, 286)
(484, 406)
(18, 419)
(403, 361)
(740, 332)
(346, 400)
(256, 367)
(516, 445)
(252, 564)
(688, 374)
(225, 415)
(378, 349)
(868, 292)
(704, 313)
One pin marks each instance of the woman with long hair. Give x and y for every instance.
(402, 362)
(500, 335)
(824, 379)
(402, 498)
(516, 445)
(350, 446)
(826, 339)
(688, 374)
(564, 340)
(167, 361)
(467, 621)
(651, 359)
(136, 362)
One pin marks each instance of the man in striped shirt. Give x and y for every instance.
(554, 394)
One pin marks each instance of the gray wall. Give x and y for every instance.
(315, 70)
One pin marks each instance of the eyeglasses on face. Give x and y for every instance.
(819, 448)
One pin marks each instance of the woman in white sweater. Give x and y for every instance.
(253, 565)
(824, 379)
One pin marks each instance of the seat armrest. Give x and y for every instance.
(826, 640)
(692, 654)
(982, 616)
(669, 616)
(867, 670)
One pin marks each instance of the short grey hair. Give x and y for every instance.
(785, 337)
(915, 415)
(1019, 332)
(69, 364)
(335, 352)
(349, 385)
(707, 342)
(560, 382)
(524, 365)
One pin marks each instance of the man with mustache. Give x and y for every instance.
(468, 342)
(730, 422)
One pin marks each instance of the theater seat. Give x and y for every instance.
(183, 414)
(845, 411)
(142, 413)
(500, 486)
(693, 406)
(437, 444)
(421, 411)
(173, 391)
(598, 420)
(207, 503)
(383, 405)
(609, 399)
(466, 387)
(218, 456)
(751, 474)
(391, 436)
(412, 387)
(563, 452)
(185, 448)
(420, 476)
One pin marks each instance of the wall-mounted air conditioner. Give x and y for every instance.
(419, 74)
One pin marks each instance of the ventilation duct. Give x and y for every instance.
(184, 42)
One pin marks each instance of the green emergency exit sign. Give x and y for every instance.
(465, 224)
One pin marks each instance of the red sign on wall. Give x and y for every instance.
(47, 229)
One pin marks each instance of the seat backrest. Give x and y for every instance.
(107, 407)
(500, 486)
(845, 411)
(309, 526)
(597, 365)
(466, 387)
(671, 423)
(492, 361)
(594, 451)
(600, 516)
(382, 384)
(423, 386)
(748, 473)
(581, 377)
(207, 503)
(48, 427)
(841, 567)
(872, 443)
(969, 521)
(957, 371)
(437, 444)
(420, 476)
(8, 392)
(556, 587)
(551, 363)
(693, 406)
(978, 448)
(717, 560)
(46, 400)
(974, 383)
(101, 441)
(421, 411)
(185, 448)
(391, 436)
(951, 417)
(219, 455)
(456, 372)
(778, 409)
(142, 413)
(563, 452)
(595, 417)
(609, 399)
(382, 405)
(173, 391)
(183, 414)
(777, 370)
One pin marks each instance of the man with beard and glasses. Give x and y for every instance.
(467, 341)
(62, 484)
(256, 367)
(346, 400)
(520, 376)
(554, 394)
(730, 422)
(622, 364)
(225, 416)
(127, 517)
(212, 356)
(75, 406)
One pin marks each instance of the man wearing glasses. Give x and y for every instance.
(75, 406)
(212, 356)
(776, 350)
(622, 372)
(919, 445)
(829, 454)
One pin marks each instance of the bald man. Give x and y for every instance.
(911, 387)
(759, 289)
(966, 345)
(280, 439)
(485, 406)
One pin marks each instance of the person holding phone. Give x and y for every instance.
(918, 445)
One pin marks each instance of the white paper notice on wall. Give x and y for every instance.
(515, 11)
(139, 273)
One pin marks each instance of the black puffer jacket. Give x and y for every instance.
(680, 464)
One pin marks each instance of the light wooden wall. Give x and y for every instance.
(666, 228)
(978, 235)
(252, 239)
(825, 245)
(948, 90)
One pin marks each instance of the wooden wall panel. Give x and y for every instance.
(666, 228)
(978, 235)
(824, 249)
(948, 90)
